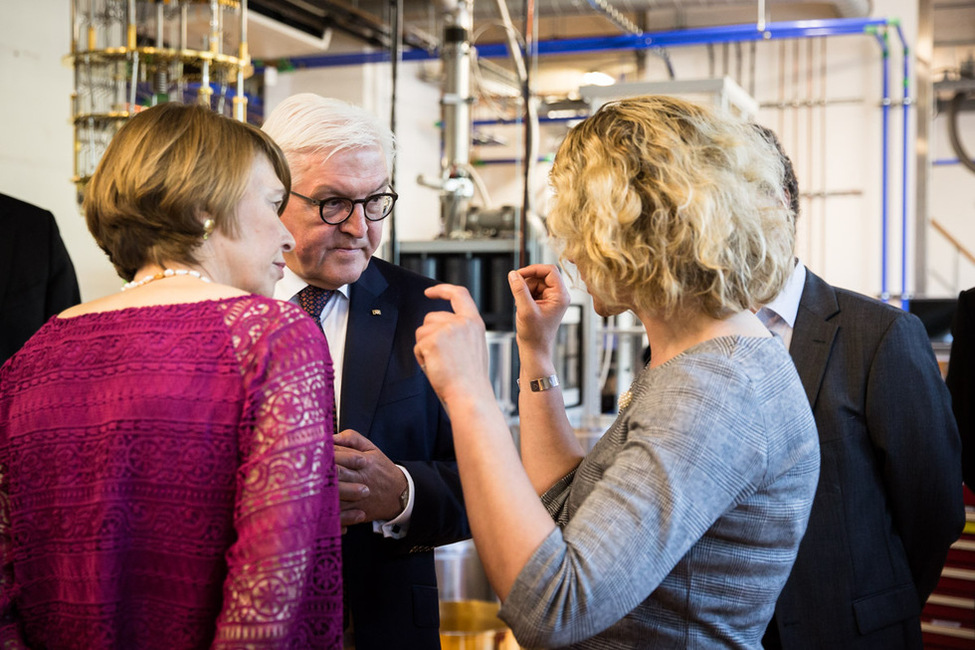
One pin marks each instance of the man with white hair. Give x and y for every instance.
(399, 484)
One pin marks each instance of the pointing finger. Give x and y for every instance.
(460, 300)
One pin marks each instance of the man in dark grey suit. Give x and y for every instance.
(37, 279)
(889, 501)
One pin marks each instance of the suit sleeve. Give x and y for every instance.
(439, 516)
(961, 380)
(283, 578)
(911, 425)
(62, 284)
(387, 397)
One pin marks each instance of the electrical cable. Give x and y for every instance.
(614, 16)
(478, 183)
(954, 108)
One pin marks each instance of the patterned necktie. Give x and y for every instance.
(313, 301)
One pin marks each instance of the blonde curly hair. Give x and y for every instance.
(668, 207)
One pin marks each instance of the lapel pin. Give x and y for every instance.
(377, 312)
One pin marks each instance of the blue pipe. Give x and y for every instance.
(941, 162)
(906, 110)
(700, 36)
(507, 161)
(885, 128)
(334, 60)
(516, 120)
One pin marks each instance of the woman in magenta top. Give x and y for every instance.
(167, 477)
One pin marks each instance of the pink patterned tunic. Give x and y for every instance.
(167, 480)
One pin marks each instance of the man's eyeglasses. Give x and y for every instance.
(336, 209)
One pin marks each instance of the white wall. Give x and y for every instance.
(823, 99)
(952, 190)
(36, 159)
(836, 146)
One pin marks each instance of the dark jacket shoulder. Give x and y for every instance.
(400, 285)
(875, 318)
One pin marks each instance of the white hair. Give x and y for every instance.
(307, 123)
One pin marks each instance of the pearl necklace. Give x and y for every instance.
(165, 273)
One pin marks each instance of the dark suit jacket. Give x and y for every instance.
(391, 585)
(961, 380)
(37, 278)
(889, 501)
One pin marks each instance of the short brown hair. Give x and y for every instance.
(165, 167)
(668, 206)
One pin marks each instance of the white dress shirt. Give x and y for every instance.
(779, 315)
(334, 320)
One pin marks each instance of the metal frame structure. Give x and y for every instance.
(878, 28)
(882, 30)
(129, 54)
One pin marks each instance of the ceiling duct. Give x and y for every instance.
(368, 20)
(852, 8)
(316, 17)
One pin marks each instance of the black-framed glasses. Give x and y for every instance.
(337, 209)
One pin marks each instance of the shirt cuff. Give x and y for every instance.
(398, 527)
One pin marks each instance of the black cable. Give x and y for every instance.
(954, 108)
(531, 16)
(396, 55)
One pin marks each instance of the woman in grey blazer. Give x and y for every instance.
(681, 525)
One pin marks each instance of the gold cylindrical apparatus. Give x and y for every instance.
(131, 54)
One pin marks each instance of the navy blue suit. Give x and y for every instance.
(391, 585)
(889, 500)
(37, 279)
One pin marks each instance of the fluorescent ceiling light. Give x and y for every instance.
(597, 79)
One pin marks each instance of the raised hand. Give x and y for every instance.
(541, 299)
(451, 347)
